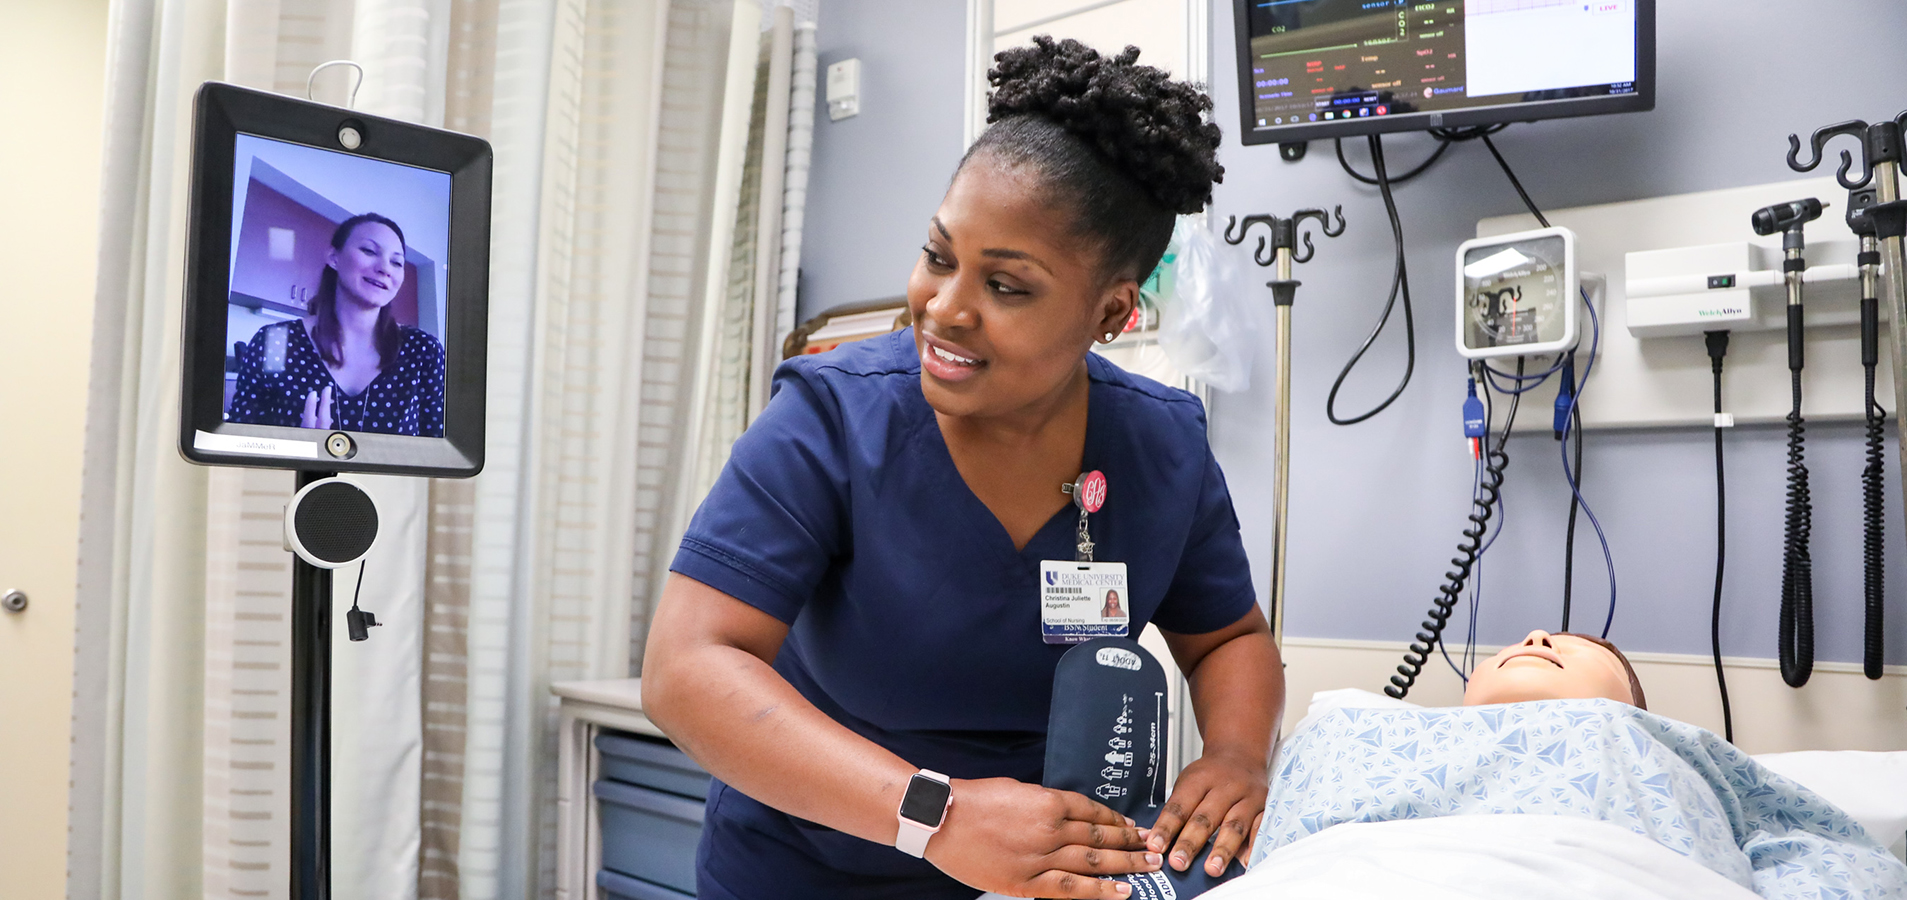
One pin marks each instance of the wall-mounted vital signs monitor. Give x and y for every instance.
(1516, 294)
(1333, 68)
(336, 290)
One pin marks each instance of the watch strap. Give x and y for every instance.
(912, 838)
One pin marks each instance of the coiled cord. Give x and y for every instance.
(1483, 504)
(1873, 539)
(1796, 637)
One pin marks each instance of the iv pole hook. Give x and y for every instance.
(1818, 142)
(1324, 225)
(1238, 236)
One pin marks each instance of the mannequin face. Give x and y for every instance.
(1549, 667)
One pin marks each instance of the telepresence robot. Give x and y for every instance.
(315, 233)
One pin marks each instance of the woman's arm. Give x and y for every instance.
(707, 681)
(1238, 695)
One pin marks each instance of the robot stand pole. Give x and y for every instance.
(1281, 473)
(1894, 273)
(310, 725)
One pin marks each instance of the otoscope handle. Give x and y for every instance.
(1795, 346)
(1870, 331)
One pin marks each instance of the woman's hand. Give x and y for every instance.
(1216, 797)
(317, 409)
(1238, 693)
(1023, 840)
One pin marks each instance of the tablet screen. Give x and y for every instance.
(337, 311)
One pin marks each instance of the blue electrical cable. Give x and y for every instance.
(1531, 381)
(1602, 538)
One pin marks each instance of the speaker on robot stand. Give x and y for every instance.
(331, 523)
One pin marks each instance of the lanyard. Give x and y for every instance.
(1089, 494)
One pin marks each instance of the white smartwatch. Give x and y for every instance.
(923, 808)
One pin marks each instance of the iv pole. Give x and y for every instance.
(1284, 290)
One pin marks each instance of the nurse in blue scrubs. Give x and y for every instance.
(851, 639)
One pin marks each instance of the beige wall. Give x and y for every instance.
(52, 66)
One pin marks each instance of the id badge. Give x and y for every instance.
(1080, 601)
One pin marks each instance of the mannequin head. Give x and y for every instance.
(1561, 666)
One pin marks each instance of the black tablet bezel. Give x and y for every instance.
(1642, 100)
(221, 113)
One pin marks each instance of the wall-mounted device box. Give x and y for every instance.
(844, 89)
(1737, 286)
(1517, 294)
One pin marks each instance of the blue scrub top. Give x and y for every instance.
(914, 621)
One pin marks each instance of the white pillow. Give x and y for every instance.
(1871, 787)
(1346, 698)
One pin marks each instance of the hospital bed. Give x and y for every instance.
(1519, 856)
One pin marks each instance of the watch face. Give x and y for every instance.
(926, 801)
(1514, 294)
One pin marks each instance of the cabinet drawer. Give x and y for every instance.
(649, 834)
(616, 886)
(652, 763)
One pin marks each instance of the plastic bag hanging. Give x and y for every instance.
(1208, 332)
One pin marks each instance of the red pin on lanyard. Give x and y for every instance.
(1089, 492)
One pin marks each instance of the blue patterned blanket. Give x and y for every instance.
(1679, 785)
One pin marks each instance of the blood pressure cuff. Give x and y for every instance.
(1106, 738)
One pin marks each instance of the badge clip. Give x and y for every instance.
(1089, 494)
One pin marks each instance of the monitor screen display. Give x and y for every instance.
(338, 291)
(1331, 68)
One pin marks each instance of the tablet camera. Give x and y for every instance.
(340, 445)
(349, 137)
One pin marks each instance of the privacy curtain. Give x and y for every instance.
(618, 184)
(751, 307)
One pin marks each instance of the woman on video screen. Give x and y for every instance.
(348, 364)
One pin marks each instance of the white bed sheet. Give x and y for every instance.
(1498, 857)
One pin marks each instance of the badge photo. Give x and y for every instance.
(1112, 608)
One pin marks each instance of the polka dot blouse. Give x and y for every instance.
(280, 366)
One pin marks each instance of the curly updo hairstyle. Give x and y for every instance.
(1119, 147)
